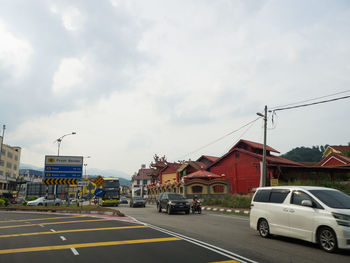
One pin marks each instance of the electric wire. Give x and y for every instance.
(322, 97)
(309, 104)
(219, 139)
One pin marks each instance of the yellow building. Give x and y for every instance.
(9, 169)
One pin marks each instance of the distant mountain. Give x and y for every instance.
(124, 178)
(29, 166)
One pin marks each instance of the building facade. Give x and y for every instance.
(9, 169)
(140, 181)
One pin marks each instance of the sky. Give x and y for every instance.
(138, 78)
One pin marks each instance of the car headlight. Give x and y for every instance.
(342, 220)
(171, 203)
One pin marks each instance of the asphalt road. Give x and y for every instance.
(51, 237)
(233, 233)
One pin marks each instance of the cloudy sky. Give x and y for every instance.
(135, 78)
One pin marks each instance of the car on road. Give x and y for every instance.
(137, 201)
(43, 201)
(172, 202)
(123, 200)
(315, 214)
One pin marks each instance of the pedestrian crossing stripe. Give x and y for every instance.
(51, 181)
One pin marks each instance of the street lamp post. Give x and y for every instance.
(263, 181)
(59, 140)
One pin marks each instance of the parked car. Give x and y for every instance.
(137, 201)
(123, 200)
(315, 214)
(172, 202)
(43, 201)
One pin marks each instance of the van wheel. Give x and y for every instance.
(327, 239)
(263, 228)
(168, 209)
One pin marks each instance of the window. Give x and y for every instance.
(3, 152)
(278, 196)
(218, 188)
(145, 182)
(1, 173)
(15, 167)
(298, 197)
(138, 182)
(16, 158)
(197, 189)
(2, 163)
(181, 190)
(9, 165)
(333, 198)
(262, 196)
(9, 155)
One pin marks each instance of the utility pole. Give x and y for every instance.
(2, 142)
(263, 181)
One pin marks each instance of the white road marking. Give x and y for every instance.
(41, 225)
(75, 252)
(63, 238)
(197, 242)
(233, 217)
(52, 230)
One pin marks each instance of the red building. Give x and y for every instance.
(242, 167)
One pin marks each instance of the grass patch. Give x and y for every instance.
(343, 186)
(232, 201)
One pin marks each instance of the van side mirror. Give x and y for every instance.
(306, 203)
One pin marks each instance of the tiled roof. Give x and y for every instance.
(339, 156)
(210, 158)
(202, 174)
(255, 145)
(340, 148)
(270, 159)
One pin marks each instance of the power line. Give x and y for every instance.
(322, 97)
(219, 139)
(309, 104)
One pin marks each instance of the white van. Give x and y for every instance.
(316, 214)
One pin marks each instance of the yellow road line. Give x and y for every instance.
(56, 223)
(50, 218)
(84, 245)
(226, 261)
(71, 231)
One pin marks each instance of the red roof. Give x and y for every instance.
(341, 158)
(254, 145)
(171, 166)
(340, 148)
(269, 159)
(202, 174)
(210, 158)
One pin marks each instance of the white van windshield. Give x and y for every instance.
(333, 199)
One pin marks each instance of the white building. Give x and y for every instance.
(140, 181)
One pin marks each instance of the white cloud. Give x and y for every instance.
(69, 75)
(72, 18)
(15, 53)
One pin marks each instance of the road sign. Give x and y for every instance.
(83, 183)
(50, 181)
(98, 192)
(99, 181)
(63, 167)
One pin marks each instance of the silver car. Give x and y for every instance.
(43, 201)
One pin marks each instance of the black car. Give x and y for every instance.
(172, 202)
(137, 201)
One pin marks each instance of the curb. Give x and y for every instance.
(228, 210)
